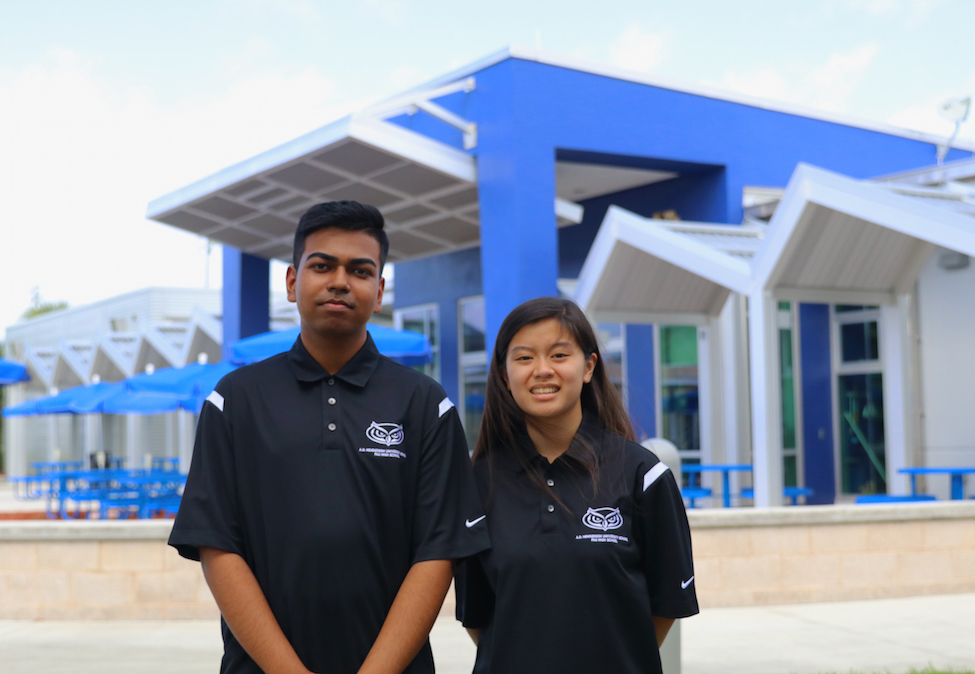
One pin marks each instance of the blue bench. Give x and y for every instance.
(694, 493)
(792, 493)
(893, 498)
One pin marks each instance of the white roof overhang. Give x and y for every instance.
(640, 271)
(836, 239)
(426, 190)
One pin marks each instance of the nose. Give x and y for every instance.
(543, 369)
(339, 280)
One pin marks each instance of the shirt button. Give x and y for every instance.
(551, 508)
(331, 382)
(550, 483)
(331, 401)
(331, 427)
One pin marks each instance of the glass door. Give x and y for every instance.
(859, 400)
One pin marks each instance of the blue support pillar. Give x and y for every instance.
(246, 297)
(817, 402)
(641, 380)
(519, 238)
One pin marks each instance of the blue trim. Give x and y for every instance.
(817, 402)
(246, 297)
(641, 377)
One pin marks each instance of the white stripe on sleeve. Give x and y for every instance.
(445, 405)
(653, 474)
(216, 399)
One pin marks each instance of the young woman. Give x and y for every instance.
(591, 557)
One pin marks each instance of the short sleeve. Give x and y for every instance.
(475, 598)
(667, 561)
(208, 514)
(449, 521)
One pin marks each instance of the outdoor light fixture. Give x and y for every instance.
(954, 110)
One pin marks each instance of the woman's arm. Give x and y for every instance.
(475, 632)
(244, 606)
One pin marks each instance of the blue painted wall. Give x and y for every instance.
(640, 380)
(442, 280)
(817, 402)
(246, 297)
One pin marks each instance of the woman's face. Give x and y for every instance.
(545, 370)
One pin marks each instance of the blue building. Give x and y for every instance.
(495, 180)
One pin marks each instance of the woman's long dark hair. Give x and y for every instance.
(503, 423)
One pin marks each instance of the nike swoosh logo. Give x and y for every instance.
(471, 523)
(685, 583)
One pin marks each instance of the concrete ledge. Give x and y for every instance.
(85, 530)
(714, 518)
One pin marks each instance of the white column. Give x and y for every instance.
(92, 431)
(895, 355)
(765, 398)
(736, 426)
(710, 394)
(132, 460)
(14, 432)
(185, 433)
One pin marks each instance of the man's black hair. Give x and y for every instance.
(348, 215)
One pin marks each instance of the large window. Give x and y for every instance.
(612, 342)
(859, 399)
(425, 320)
(680, 417)
(790, 438)
(472, 366)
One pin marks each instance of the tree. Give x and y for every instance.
(38, 306)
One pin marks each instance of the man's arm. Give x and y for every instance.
(244, 606)
(410, 618)
(662, 627)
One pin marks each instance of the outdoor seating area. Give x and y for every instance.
(111, 491)
(694, 490)
(108, 492)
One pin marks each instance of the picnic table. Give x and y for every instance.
(694, 470)
(957, 478)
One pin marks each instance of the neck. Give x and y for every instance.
(332, 352)
(552, 436)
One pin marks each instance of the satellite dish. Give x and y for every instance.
(955, 110)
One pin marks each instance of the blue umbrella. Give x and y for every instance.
(181, 381)
(78, 400)
(24, 409)
(408, 348)
(141, 402)
(12, 373)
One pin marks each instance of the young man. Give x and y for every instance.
(330, 487)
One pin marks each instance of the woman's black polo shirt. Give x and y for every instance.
(330, 487)
(575, 591)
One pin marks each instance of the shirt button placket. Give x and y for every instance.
(330, 414)
(549, 517)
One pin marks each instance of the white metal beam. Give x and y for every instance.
(766, 399)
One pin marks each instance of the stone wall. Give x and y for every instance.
(747, 557)
(97, 570)
(743, 557)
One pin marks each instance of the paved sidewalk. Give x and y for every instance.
(890, 636)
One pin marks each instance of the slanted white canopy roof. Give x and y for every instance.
(836, 239)
(426, 190)
(643, 270)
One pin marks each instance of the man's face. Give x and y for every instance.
(338, 285)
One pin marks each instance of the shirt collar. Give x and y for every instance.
(590, 430)
(356, 372)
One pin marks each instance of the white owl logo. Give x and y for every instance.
(385, 434)
(603, 519)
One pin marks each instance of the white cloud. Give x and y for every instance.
(636, 49)
(393, 12)
(826, 87)
(81, 160)
(407, 76)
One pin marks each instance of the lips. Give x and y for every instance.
(542, 390)
(337, 303)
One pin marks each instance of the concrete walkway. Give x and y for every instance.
(890, 636)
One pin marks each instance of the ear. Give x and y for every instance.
(590, 368)
(379, 298)
(290, 280)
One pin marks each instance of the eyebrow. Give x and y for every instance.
(354, 261)
(556, 345)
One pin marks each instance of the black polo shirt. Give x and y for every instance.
(575, 590)
(330, 487)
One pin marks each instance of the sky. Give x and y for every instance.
(108, 104)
